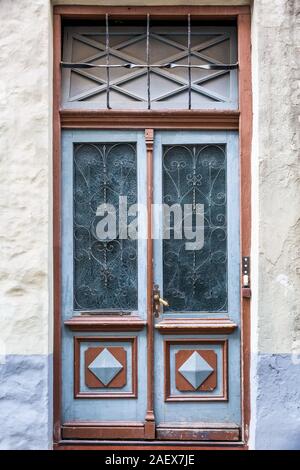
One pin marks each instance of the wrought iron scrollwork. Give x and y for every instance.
(196, 281)
(105, 271)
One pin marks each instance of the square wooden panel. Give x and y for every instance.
(212, 372)
(85, 372)
(207, 384)
(119, 375)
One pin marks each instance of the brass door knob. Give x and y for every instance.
(163, 302)
(158, 301)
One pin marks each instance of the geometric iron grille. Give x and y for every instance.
(149, 65)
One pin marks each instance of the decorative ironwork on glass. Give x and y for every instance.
(105, 271)
(196, 280)
(150, 65)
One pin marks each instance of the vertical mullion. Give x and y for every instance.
(148, 61)
(150, 418)
(107, 61)
(189, 62)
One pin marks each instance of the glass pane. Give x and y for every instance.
(195, 280)
(105, 271)
(169, 57)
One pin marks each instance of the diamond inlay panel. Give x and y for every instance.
(195, 370)
(105, 367)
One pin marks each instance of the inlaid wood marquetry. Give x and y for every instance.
(105, 367)
(196, 370)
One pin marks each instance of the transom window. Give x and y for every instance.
(150, 65)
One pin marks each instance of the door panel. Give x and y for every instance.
(103, 372)
(197, 377)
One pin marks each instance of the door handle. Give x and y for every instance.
(158, 301)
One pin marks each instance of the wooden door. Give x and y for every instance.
(197, 339)
(125, 376)
(104, 382)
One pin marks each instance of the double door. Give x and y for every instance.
(150, 327)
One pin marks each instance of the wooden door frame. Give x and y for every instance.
(240, 120)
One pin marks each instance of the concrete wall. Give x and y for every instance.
(26, 206)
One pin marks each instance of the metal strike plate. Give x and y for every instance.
(246, 291)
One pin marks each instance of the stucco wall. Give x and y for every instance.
(26, 224)
(25, 178)
(276, 227)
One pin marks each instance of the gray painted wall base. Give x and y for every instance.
(277, 402)
(26, 402)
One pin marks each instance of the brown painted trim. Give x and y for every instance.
(109, 430)
(196, 326)
(56, 227)
(245, 133)
(150, 418)
(147, 445)
(112, 119)
(198, 432)
(171, 12)
(242, 14)
(123, 430)
(101, 395)
(189, 397)
(104, 323)
(120, 379)
(246, 292)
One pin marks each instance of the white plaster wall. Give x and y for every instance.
(25, 175)
(276, 173)
(25, 170)
(25, 241)
(275, 312)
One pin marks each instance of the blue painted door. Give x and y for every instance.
(103, 370)
(197, 360)
(196, 354)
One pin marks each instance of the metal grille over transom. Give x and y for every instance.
(150, 65)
